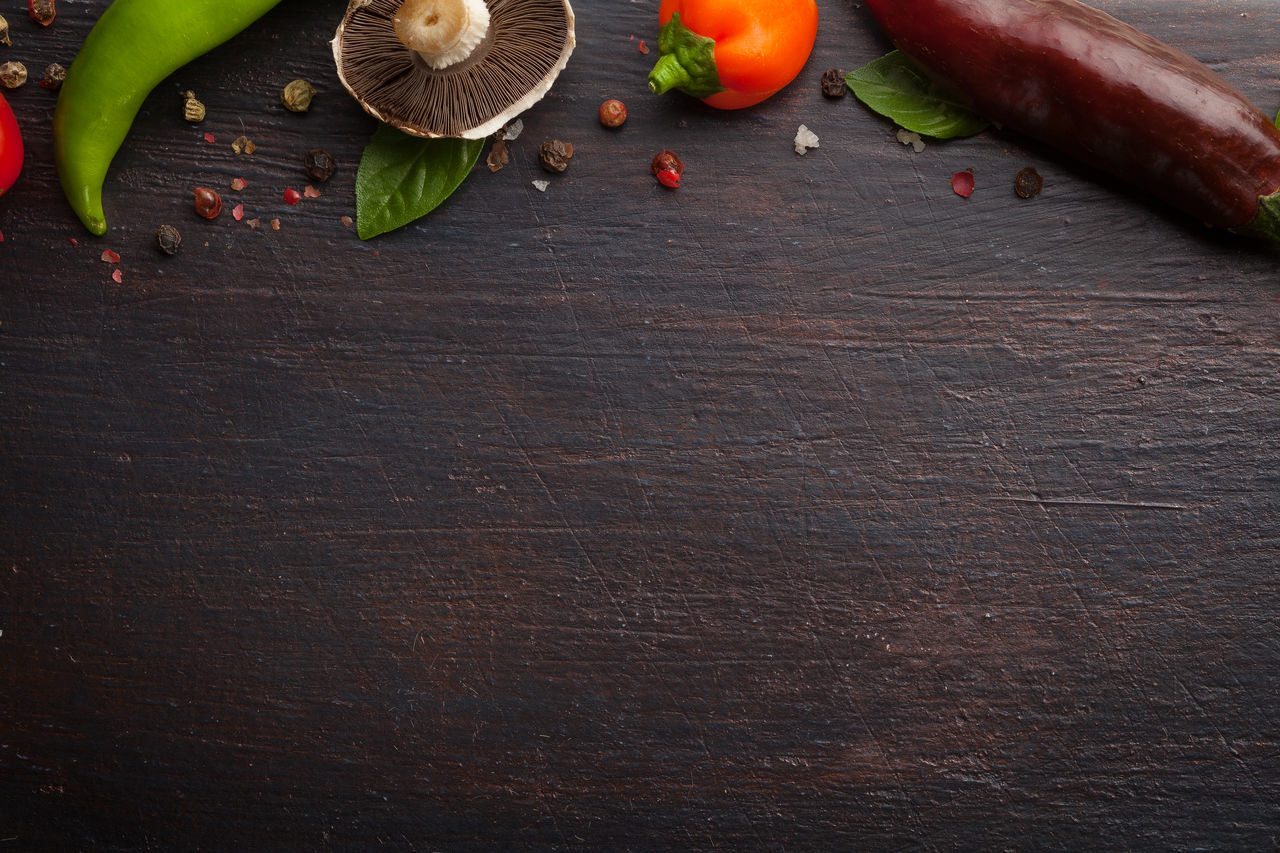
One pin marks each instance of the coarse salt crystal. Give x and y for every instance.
(805, 139)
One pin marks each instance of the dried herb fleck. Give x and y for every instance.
(554, 155)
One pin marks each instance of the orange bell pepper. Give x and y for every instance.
(732, 53)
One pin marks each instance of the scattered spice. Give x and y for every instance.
(541, 186)
(907, 137)
(642, 47)
(42, 11)
(13, 74)
(666, 161)
(1028, 183)
(110, 257)
(347, 221)
(962, 183)
(208, 137)
(275, 225)
(53, 76)
(310, 192)
(192, 110)
(498, 154)
(238, 184)
(255, 223)
(833, 85)
(613, 113)
(805, 139)
(168, 240)
(4, 31)
(237, 212)
(320, 164)
(243, 145)
(208, 202)
(117, 276)
(292, 196)
(669, 178)
(554, 155)
(297, 96)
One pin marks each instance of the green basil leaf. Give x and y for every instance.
(403, 177)
(894, 87)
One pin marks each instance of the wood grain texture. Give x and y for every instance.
(807, 507)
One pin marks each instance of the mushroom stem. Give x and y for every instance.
(442, 32)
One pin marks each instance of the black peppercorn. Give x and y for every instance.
(168, 240)
(320, 165)
(833, 85)
(1028, 183)
(554, 155)
(54, 74)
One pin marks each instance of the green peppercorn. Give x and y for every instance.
(297, 96)
(13, 74)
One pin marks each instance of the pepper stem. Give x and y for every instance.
(687, 62)
(442, 32)
(668, 74)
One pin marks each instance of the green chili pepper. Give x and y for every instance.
(133, 46)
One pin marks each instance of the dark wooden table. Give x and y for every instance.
(809, 506)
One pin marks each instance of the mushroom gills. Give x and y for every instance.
(509, 67)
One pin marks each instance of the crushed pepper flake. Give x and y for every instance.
(642, 46)
(311, 192)
(962, 183)
(117, 276)
(275, 225)
(238, 184)
(209, 138)
(346, 221)
(291, 196)
(255, 223)
(237, 212)
(110, 257)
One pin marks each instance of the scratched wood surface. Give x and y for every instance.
(807, 507)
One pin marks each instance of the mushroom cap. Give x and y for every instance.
(527, 45)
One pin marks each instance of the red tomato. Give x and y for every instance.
(10, 147)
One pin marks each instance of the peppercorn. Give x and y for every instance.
(613, 113)
(320, 165)
(4, 31)
(297, 96)
(168, 240)
(554, 155)
(667, 161)
(54, 74)
(833, 85)
(208, 202)
(13, 74)
(1028, 183)
(42, 11)
(192, 110)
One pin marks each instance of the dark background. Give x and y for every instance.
(809, 506)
